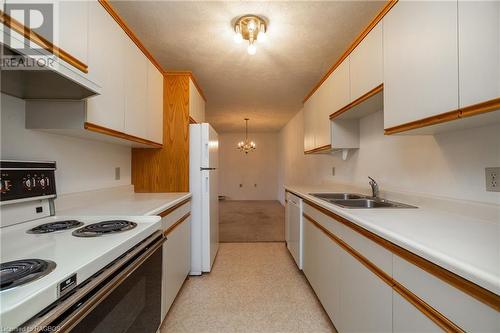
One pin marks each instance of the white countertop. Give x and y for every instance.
(462, 244)
(120, 200)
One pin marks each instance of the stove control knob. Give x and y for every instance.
(29, 183)
(5, 185)
(44, 182)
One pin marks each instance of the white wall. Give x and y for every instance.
(258, 167)
(448, 164)
(81, 164)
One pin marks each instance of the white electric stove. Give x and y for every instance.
(73, 273)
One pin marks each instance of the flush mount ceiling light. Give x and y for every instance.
(251, 28)
(246, 146)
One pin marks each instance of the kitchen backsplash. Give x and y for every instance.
(449, 164)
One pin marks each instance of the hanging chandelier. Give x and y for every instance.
(251, 28)
(246, 146)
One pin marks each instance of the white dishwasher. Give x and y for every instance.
(293, 227)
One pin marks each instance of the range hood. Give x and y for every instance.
(55, 81)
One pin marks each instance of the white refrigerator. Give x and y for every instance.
(203, 185)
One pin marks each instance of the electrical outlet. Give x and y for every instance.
(117, 173)
(333, 171)
(492, 179)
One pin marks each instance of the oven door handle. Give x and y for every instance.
(89, 304)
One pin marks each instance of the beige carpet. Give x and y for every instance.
(251, 221)
(253, 287)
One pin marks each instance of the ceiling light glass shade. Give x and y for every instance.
(252, 49)
(250, 28)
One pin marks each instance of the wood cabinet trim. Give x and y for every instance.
(318, 149)
(427, 310)
(192, 121)
(117, 134)
(481, 294)
(176, 224)
(468, 111)
(191, 75)
(42, 42)
(358, 101)
(380, 15)
(109, 8)
(171, 209)
(480, 108)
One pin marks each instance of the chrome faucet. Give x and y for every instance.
(374, 186)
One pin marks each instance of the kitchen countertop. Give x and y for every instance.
(119, 200)
(462, 244)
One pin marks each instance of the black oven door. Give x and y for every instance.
(124, 297)
(134, 306)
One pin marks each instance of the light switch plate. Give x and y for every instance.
(492, 179)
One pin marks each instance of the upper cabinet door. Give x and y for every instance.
(73, 28)
(106, 67)
(333, 94)
(196, 103)
(136, 115)
(155, 104)
(308, 124)
(366, 64)
(479, 51)
(420, 61)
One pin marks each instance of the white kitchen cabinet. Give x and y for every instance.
(366, 64)
(365, 300)
(136, 121)
(196, 103)
(106, 67)
(420, 61)
(479, 51)
(465, 311)
(332, 95)
(321, 266)
(407, 318)
(308, 126)
(176, 256)
(74, 28)
(154, 104)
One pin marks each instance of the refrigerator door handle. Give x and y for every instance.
(201, 169)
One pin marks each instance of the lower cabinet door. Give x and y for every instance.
(321, 265)
(365, 300)
(407, 318)
(176, 263)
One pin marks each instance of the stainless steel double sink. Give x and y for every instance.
(351, 200)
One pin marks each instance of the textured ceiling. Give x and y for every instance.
(304, 40)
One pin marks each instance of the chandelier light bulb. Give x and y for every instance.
(251, 25)
(252, 49)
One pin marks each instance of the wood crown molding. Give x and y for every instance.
(468, 111)
(109, 8)
(481, 294)
(318, 149)
(176, 224)
(380, 15)
(191, 75)
(117, 134)
(426, 309)
(358, 101)
(29, 34)
(171, 209)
